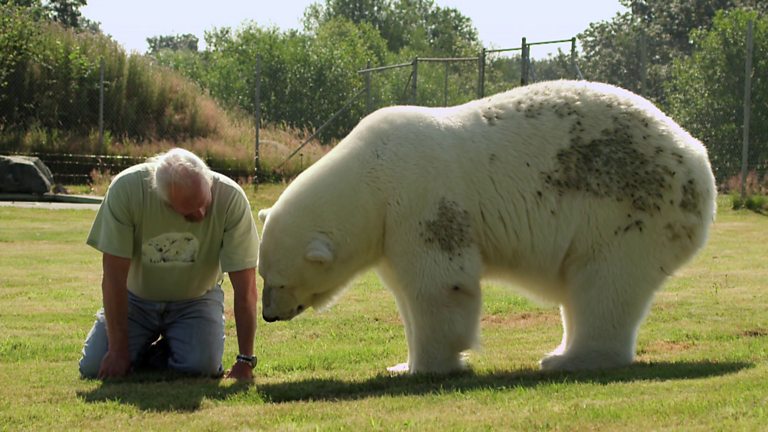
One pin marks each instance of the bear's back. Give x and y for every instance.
(539, 166)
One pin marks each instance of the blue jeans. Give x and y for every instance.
(193, 330)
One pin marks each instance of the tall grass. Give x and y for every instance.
(49, 101)
(54, 85)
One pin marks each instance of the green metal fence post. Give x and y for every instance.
(747, 110)
(414, 79)
(524, 64)
(445, 86)
(481, 74)
(257, 121)
(101, 105)
(368, 101)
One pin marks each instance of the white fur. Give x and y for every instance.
(169, 248)
(263, 214)
(583, 194)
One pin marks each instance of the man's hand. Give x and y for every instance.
(241, 372)
(115, 365)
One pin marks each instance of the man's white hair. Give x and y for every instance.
(177, 167)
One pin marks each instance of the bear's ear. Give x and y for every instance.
(319, 250)
(263, 213)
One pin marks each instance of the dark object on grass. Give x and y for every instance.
(155, 358)
(24, 174)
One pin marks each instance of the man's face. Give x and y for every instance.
(192, 201)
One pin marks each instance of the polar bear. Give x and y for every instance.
(579, 193)
(174, 247)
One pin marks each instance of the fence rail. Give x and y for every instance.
(481, 60)
(70, 169)
(81, 169)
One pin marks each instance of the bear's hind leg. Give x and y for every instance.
(604, 307)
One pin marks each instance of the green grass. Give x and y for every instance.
(702, 362)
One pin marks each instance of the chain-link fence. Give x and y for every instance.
(429, 81)
(737, 150)
(127, 106)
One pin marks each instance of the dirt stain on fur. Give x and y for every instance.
(676, 231)
(691, 198)
(612, 167)
(450, 229)
(620, 163)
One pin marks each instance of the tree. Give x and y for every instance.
(611, 53)
(635, 49)
(452, 33)
(19, 46)
(706, 90)
(67, 12)
(304, 78)
(185, 42)
(373, 12)
(416, 24)
(22, 3)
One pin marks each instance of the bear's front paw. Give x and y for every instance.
(585, 361)
(399, 368)
(554, 363)
(433, 366)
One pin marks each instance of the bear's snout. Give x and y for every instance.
(269, 318)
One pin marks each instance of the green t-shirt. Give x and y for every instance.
(171, 258)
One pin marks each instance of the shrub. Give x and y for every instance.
(753, 186)
(756, 203)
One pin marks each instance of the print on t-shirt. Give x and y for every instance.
(170, 248)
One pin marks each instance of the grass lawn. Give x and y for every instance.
(702, 353)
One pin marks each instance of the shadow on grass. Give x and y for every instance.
(169, 393)
(386, 385)
(164, 392)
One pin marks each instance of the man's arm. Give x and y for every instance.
(117, 360)
(245, 304)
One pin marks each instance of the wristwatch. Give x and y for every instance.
(249, 360)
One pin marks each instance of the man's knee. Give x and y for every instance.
(94, 348)
(89, 368)
(196, 339)
(202, 362)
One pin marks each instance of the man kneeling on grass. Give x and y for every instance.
(168, 229)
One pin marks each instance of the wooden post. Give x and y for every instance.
(257, 121)
(747, 110)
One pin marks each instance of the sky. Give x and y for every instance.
(500, 23)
